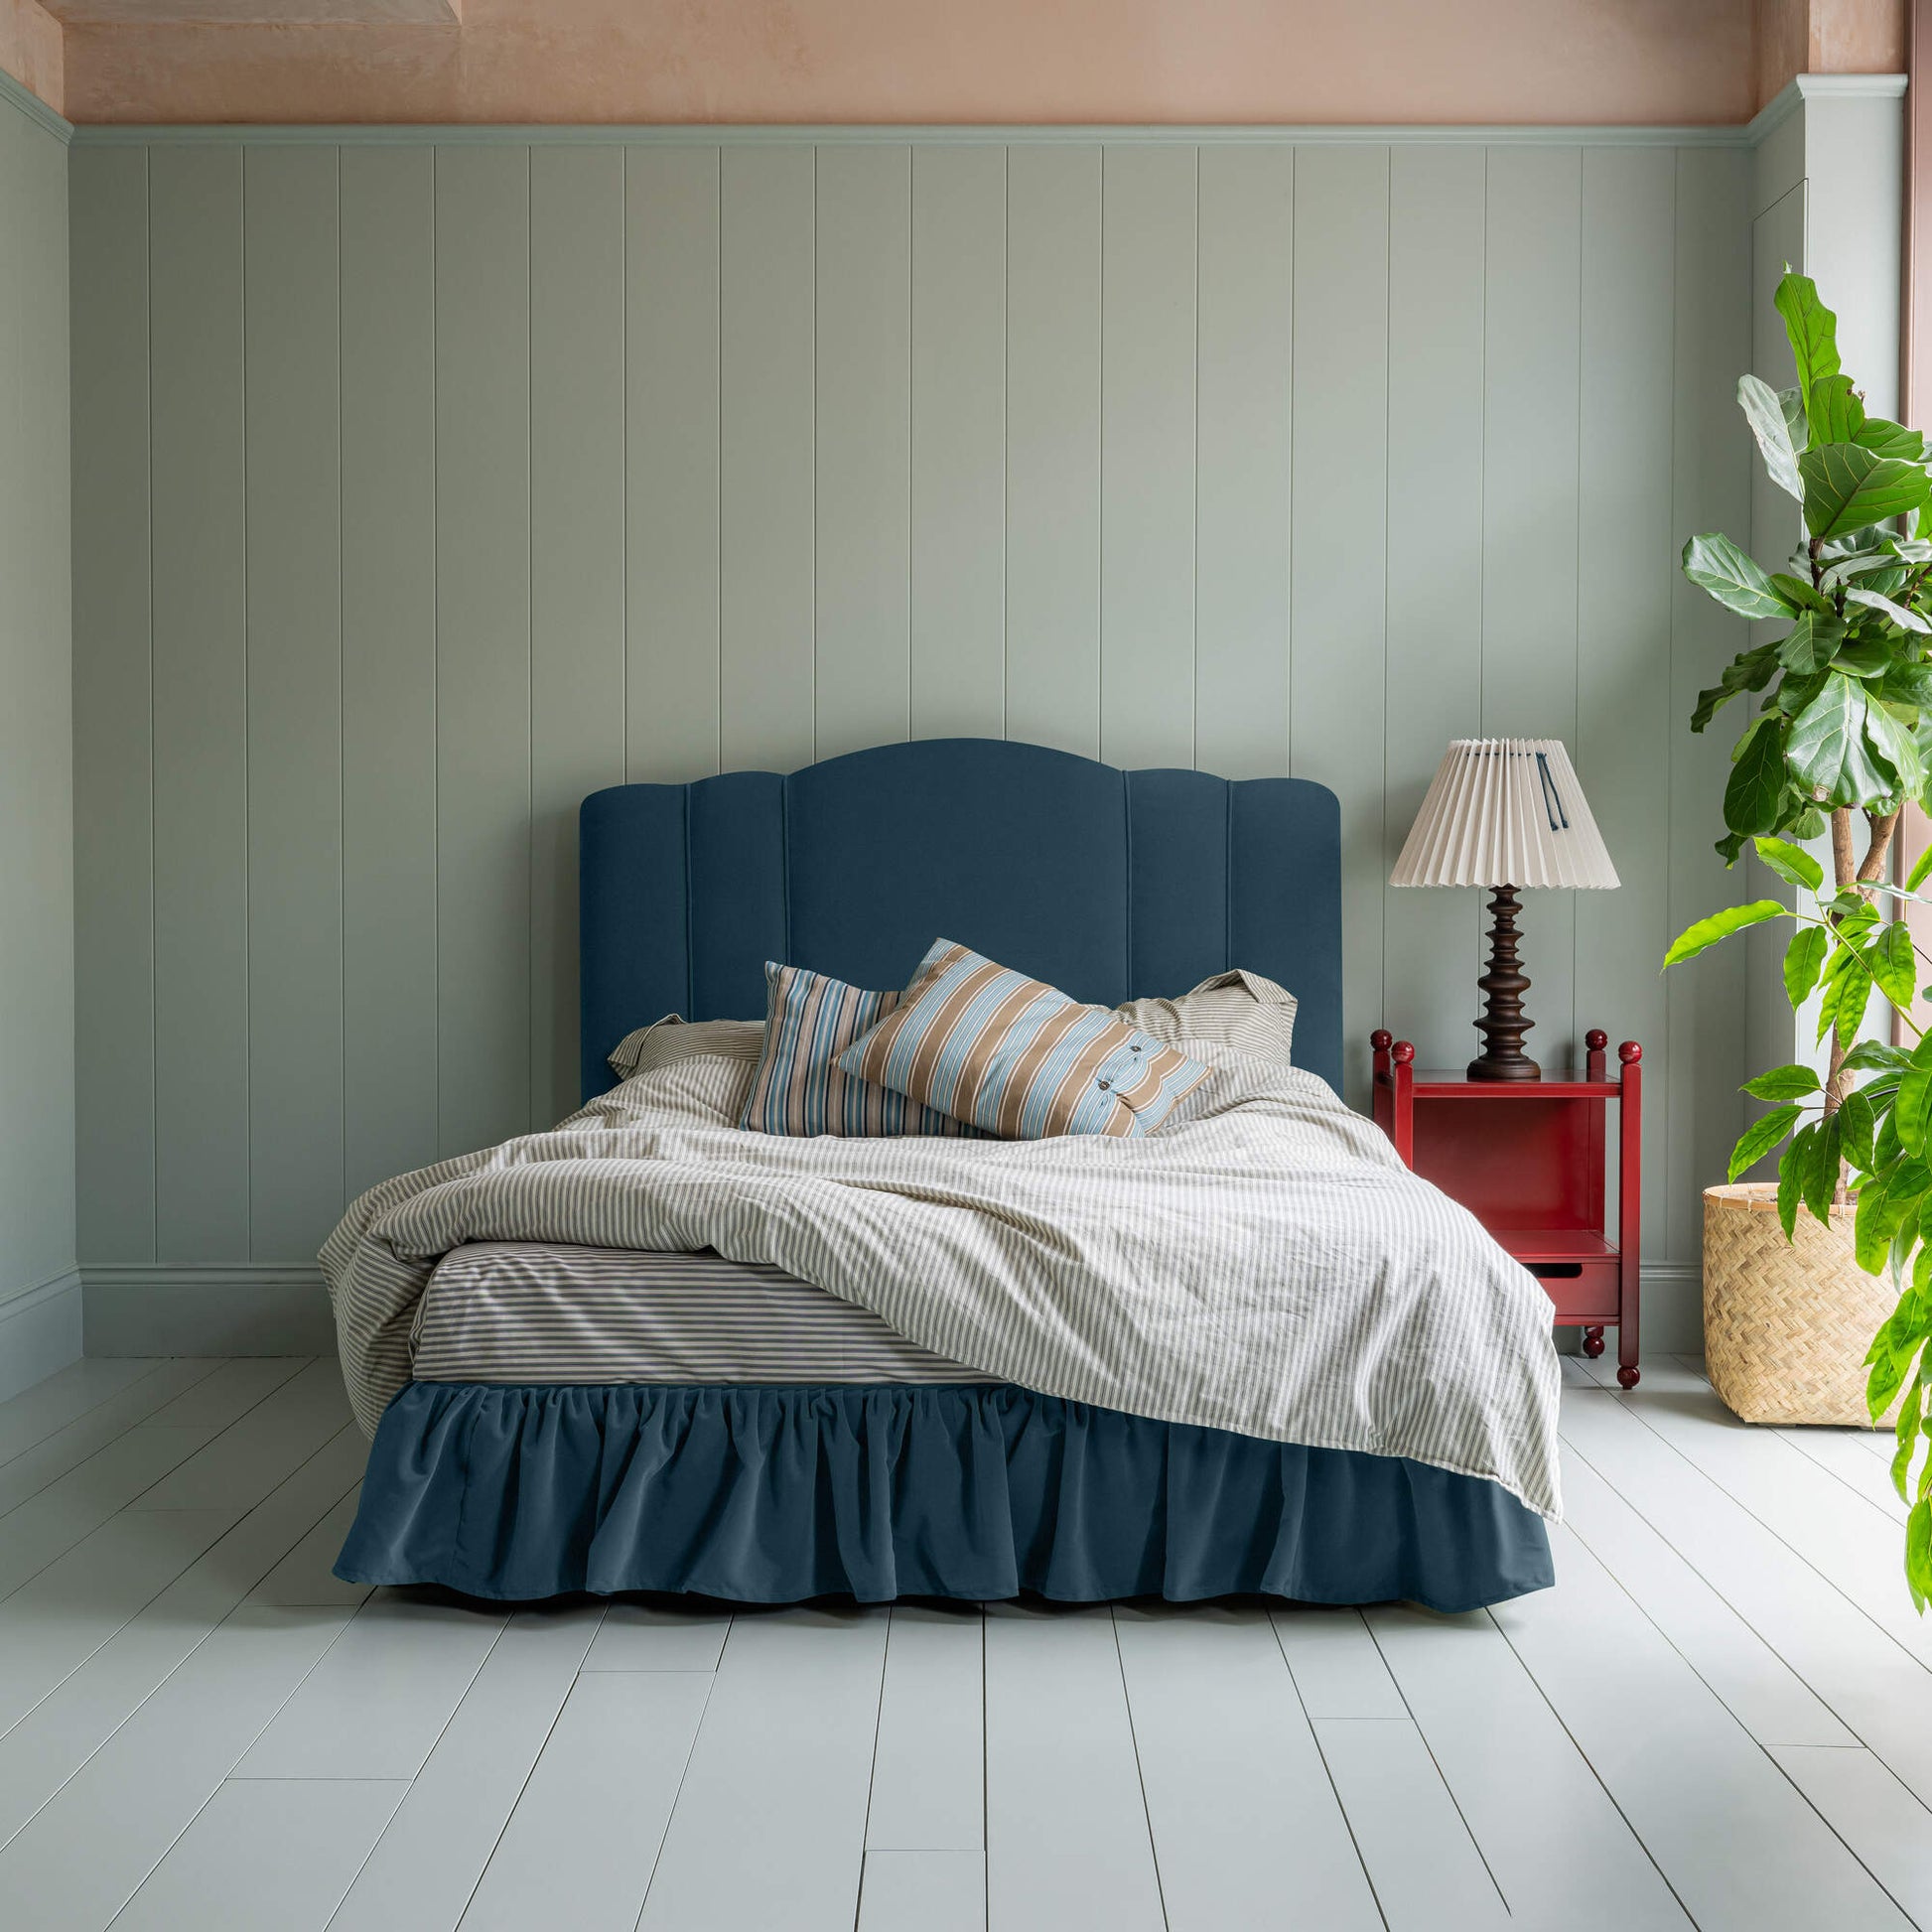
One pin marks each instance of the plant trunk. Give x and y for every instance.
(1847, 869)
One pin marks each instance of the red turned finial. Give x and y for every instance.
(1597, 1040)
(1629, 1052)
(1381, 1040)
(1405, 1051)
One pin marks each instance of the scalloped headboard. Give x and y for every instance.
(1110, 884)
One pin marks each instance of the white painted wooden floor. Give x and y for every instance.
(1721, 1717)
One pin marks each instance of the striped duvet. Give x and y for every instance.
(1263, 1263)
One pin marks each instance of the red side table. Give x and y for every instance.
(1527, 1159)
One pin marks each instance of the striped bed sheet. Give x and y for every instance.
(513, 1311)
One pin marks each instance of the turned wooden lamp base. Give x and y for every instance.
(1503, 1022)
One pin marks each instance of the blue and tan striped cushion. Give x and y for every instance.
(799, 1087)
(1017, 1057)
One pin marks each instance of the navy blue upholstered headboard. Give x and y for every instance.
(1110, 884)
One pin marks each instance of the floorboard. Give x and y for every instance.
(1247, 1828)
(1741, 1850)
(261, 1854)
(786, 1740)
(78, 1390)
(1067, 1828)
(426, 1867)
(375, 1705)
(582, 1843)
(924, 1891)
(56, 1739)
(1720, 1716)
(928, 1767)
(1884, 1824)
(1517, 1776)
(1416, 1848)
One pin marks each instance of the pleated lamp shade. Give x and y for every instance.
(1505, 812)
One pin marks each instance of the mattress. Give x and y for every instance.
(514, 1311)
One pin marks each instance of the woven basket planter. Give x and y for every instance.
(1786, 1323)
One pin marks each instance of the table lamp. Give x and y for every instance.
(1506, 813)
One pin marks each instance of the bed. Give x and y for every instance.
(654, 1413)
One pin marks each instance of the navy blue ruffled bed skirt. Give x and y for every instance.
(776, 1494)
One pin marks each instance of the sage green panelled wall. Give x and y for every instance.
(39, 1290)
(431, 486)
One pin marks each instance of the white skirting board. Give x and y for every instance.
(148, 1310)
(39, 1332)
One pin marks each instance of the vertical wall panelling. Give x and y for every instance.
(1625, 725)
(1337, 687)
(113, 777)
(1053, 588)
(959, 385)
(662, 456)
(1711, 469)
(200, 705)
(389, 708)
(483, 642)
(764, 440)
(1244, 395)
(862, 341)
(672, 463)
(1149, 201)
(1437, 237)
(577, 568)
(291, 358)
(1531, 530)
(40, 1298)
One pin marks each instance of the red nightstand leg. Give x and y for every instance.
(1631, 1209)
(1592, 1343)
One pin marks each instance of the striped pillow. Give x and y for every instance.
(1017, 1057)
(799, 1087)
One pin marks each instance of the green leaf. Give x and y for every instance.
(1897, 613)
(1874, 1057)
(1857, 1125)
(1865, 657)
(1794, 1168)
(1760, 1137)
(1784, 1083)
(1890, 439)
(1804, 959)
(1883, 1201)
(1894, 747)
(1821, 1169)
(1812, 642)
(1918, 1553)
(1798, 591)
(1721, 926)
(1791, 862)
(1835, 410)
(1847, 488)
(1921, 866)
(1773, 427)
(1912, 1110)
(1714, 564)
(1750, 670)
(1811, 329)
(1895, 966)
(1862, 565)
(1756, 787)
(1826, 749)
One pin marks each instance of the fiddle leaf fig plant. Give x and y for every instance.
(1841, 741)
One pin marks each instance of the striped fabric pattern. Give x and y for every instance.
(1242, 1010)
(800, 1086)
(672, 1038)
(549, 1312)
(1265, 1264)
(1017, 1057)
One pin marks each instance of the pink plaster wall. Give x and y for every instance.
(939, 61)
(31, 50)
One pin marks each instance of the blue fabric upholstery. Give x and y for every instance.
(1108, 885)
(777, 1494)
